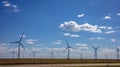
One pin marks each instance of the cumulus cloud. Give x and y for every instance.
(13, 7)
(107, 17)
(73, 26)
(109, 32)
(75, 35)
(31, 41)
(97, 38)
(57, 42)
(118, 14)
(81, 15)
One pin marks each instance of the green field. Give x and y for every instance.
(54, 61)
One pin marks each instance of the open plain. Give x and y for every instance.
(58, 62)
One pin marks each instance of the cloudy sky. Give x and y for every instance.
(47, 25)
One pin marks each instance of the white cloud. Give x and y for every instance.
(97, 38)
(13, 7)
(75, 35)
(118, 14)
(107, 17)
(113, 40)
(107, 50)
(57, 42)
(70, 26)
(58, 49)
(73, 26)
(81, 15)
(3, 47)
(66, 34)
(106, 27)
(36, 49)
(100, 38)
(31, 41)
(7, 5)
(109, 32)
(71, 35)
(82, 46)
(110, 28)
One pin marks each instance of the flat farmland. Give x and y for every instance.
(54, 61)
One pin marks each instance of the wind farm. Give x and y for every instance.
(59, 32)
(53, 59)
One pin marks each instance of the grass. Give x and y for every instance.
(54, 61)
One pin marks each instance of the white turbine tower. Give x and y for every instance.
(19, 44)
(52, 54)
(68, 49)
(33, 53)
(13, 53)
(95, 48)
(118, 53)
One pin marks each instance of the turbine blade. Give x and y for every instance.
(65, 49)
(68, 46)
(15, 42)
(93, 46)
(21, 37)
(22, 45)
(98, 47)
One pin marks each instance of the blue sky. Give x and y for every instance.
(47, 24)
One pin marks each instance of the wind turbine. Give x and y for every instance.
(13, 53)
(68, 49)
(106, 56)
(33, 53)
(19, 44)
(52, 54)
(81, 55)
(95, 48)
(118, 53)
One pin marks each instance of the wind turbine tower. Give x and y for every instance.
(13, 53)
(19, 44)
(118, 53)
(81, 55)
(68, 49)
(95, 48)
(33, 52)
(52, 54)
